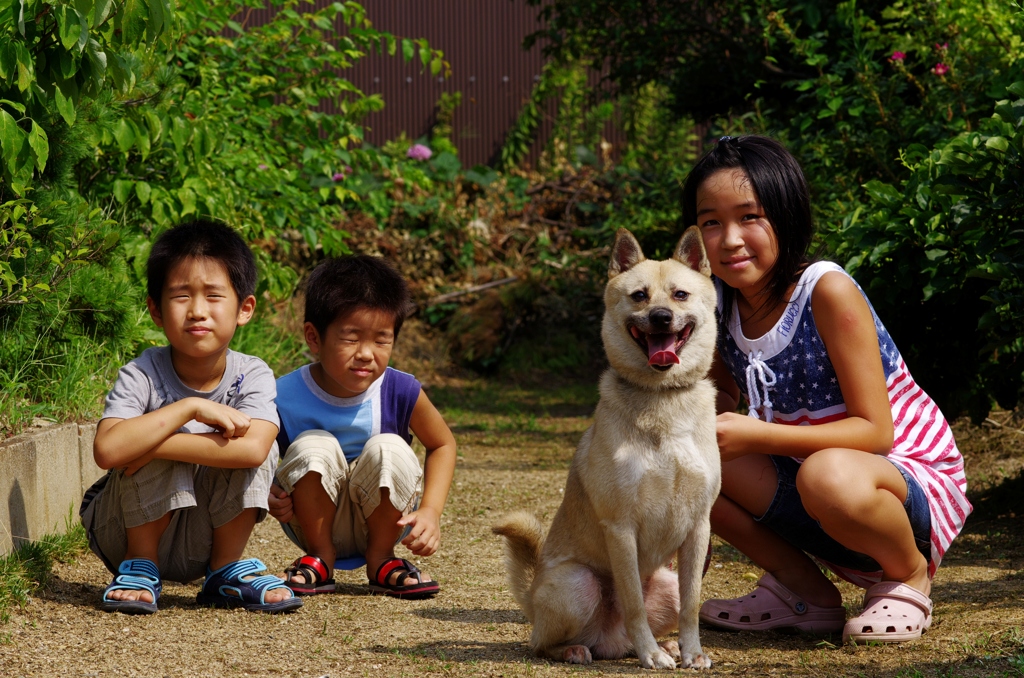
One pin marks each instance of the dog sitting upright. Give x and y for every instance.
(641, 483)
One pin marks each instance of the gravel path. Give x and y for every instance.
(474, 627)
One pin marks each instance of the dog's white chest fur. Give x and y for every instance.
(656, 453)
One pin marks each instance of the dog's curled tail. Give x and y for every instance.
(524, 536)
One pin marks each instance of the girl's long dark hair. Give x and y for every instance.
(781, 188)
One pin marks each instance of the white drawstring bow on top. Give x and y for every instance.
(757, 368)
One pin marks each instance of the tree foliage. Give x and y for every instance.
(120, 118)
(866, 94)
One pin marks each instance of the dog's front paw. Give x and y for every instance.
(658, 660)
(577, 654)
(694, 660)
(672, 647)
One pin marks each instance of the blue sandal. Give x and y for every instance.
(134, 574)
(236, 585)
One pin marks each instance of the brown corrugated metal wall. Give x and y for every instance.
(482, 40)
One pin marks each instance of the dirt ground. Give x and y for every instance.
(515, 443)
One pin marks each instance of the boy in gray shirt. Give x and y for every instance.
(188, 433)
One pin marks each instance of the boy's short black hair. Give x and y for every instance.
(201, 239)
(339, 286)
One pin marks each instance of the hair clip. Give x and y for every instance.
(725, 138)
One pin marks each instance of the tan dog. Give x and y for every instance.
(642, 480)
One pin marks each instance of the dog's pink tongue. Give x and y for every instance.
(661, 349)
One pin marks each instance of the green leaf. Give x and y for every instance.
(143, 190)
(65, 106)
(68, 65)
(26, 67)
(155, 25)
(998, 143)
(132, 20)
(40, 145)
(20, 108)
(141, 139)
(83, 19)
(934, 255)
(12, 139)
(408, 49)
(70, 26)
(124, 134)
(188, 201)
(8, 62)
(100, 12)
(122, 190)
(884, 193)
(97, 59)
(120, 73)
(198, 135)
(1017, 88)
(179, 133)
(156, 128)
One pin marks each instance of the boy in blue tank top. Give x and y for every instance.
(349, 483)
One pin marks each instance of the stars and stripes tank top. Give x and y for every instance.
(788, 379)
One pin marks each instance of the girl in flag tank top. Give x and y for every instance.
(842, 459)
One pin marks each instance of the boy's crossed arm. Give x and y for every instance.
(132, 443)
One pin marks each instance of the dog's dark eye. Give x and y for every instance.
(681, 295)
(638, 296)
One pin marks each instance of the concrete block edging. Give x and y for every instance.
(43, 474)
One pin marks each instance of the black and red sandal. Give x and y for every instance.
(406, 571)
(314, 572)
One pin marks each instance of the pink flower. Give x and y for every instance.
(261, 167)
(943, 47)
(339, 176)
(940, 69)
(419, 152)
(897, 56)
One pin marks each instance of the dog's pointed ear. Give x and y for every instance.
(690, 251)
(626, 253)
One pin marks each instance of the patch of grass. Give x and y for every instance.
(28, 568)
(270, 339)
(58, 359)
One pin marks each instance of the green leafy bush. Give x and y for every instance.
(870, 93)
(943, 256)
(118, 120)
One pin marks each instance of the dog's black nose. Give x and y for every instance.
(661, 319)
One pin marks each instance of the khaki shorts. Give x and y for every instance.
(201, 498)
(386, 461)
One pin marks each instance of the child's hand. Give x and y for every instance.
(280, 503)
(425, 536)
(231, 422)
(738, 434)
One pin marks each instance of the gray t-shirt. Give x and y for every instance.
(149, 382)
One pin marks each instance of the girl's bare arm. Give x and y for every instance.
(847, 329)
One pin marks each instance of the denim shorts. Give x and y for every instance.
(787, 517)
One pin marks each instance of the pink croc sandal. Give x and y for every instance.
(772, 606)
(893, 612)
